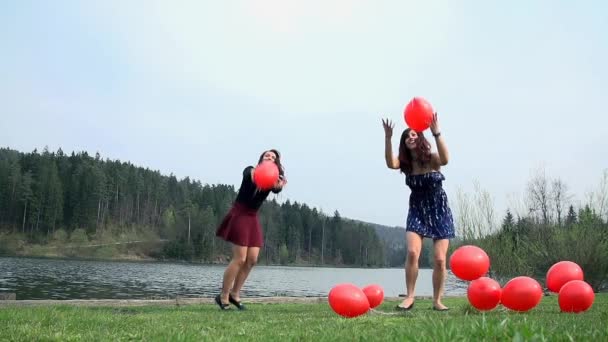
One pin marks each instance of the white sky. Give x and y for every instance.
(201, 88)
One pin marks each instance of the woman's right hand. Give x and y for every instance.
(388, 127)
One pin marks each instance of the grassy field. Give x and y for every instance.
(311, 322)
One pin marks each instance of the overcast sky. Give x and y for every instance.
(201, 88)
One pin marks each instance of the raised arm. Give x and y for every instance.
(391, 161)
(442, 156)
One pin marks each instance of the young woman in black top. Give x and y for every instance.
(241, 227)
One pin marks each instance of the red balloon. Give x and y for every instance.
(266, 175)
(469, 262)
(348, 300)
(575, 296)
(521, 294)
(561, 273)
(484, 293)
(418, 114)
(374, 294)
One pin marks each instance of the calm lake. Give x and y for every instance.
(32, 278)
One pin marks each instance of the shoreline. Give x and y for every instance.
(182, 262)
(177, 301)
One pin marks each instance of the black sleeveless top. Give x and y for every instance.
(249, 195)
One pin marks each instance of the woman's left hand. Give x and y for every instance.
(281, 182)
(435, 125)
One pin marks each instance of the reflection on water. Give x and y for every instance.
(32, 278)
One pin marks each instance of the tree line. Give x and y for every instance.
(50, 194)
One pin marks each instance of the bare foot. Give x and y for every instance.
(439, 306)
(407, 303)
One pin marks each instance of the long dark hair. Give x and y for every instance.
(276, 161)
(423, 152)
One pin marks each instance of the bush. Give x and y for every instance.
(283, 254)
(583, 244)
(532, 251)
(60, 236)
(79, 237)
(10, 244)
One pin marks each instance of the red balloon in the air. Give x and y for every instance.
(265, 175)
(348, 300)
(374, 294)
(484, 293)
(418, 114)
(561, 273)
(521, 294)
(469, 262)
(575, 296)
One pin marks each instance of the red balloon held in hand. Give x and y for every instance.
(374, 294)
(521, 294)
(575, 296)
(469, 262)
(348, 300)
(484, 293)
(265, 175)
(561, 273)
(418, 114)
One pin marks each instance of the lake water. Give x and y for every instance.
(32, 278)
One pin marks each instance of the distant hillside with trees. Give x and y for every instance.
(58, 204)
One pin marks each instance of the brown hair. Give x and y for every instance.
(423, 152)
(276, 161)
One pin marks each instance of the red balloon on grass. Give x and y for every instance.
(265, 175)
(348, 300)
(561, 273)
(374, 294)
(575, 296)
(418, 114)
(484, 293)
(469, 262)
(521, 294)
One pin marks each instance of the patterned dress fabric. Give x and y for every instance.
(429, 213)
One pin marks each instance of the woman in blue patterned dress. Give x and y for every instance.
(429, 215)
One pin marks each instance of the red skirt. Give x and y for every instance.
(241, 226)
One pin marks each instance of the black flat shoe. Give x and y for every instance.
(403, 308)
(239, 305)
(222, 306)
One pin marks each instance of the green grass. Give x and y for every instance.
(310, 322)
